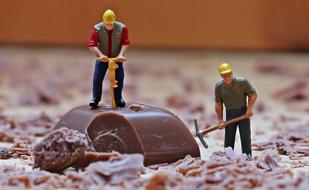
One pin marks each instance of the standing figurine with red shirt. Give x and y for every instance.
(109, 39)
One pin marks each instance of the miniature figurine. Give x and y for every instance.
(233, 93)
(109, 39)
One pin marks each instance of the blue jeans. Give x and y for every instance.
(98, 76)
(244, 130)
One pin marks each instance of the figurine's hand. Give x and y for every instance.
(249, 113)
(121, 58)
(103, 58)
(220, 124)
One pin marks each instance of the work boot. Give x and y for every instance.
(248, 157)
(93, 104)
(120, 103)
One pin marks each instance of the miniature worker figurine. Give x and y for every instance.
(233, 93)
(109, 39)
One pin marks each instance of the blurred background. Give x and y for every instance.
(176, 47)
(239, 24)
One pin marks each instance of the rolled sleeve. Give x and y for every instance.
(125, 36)
(94, 38)
(218, 95)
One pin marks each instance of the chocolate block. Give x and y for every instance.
(156, 133)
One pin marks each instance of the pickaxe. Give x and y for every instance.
(202, 133)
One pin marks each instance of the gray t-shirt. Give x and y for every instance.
(235, 96)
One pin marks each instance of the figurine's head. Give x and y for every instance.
(109, 19)
(226, 72)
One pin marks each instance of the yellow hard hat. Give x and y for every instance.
(109, 17)
(225, 68)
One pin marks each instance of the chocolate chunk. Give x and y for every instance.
(60, 149)
(156, 133)
(298, 91)
(230, 153)
(20, 150)
(185, 103)
(272, 67)
(4, 137)
(4, 153)
(20, 179)
(269, 160)
(119, 168)
(158, 181)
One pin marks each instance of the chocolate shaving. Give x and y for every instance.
(4, 153)
(119, 168)
(269, 161)
(185, 103)
(266, 66)
(136, 107)
(298, 91)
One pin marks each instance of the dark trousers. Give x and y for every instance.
(244, 131)
(98, 76)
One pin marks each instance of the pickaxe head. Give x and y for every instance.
(199, 135)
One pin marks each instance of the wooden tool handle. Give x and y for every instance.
(215, 127)
(116, 59)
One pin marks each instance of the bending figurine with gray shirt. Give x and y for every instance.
(233, 93)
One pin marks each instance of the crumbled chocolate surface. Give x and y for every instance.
(40, 82)
(128, 172)
(298, 91)
(25, 128)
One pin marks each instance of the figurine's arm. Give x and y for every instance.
(219, 106)
(123, 50)
(251, 101)
(219, 111)
(99, 54)
(96, 51)
(92, 45)
(124, 44)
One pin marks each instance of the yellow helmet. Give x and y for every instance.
(109, 17)
(225, 68)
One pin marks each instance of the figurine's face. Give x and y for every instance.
(227, 78)
(109, 26)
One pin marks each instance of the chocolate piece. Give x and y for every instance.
(4, 137)
(126, 166)
(298, 91)
(272, 67)
(59, 150)
(20, 150)
(63, 148)
(158, 181)
(156, 133)
(4, 153)
(269, 161)
(185, 103)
